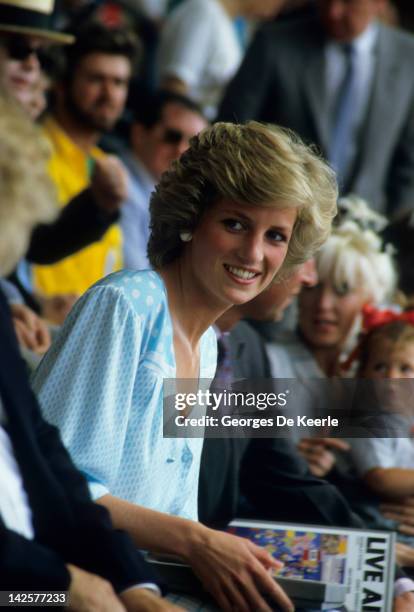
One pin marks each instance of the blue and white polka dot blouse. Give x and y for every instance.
(101, 383)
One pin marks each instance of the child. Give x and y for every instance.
(386, 464)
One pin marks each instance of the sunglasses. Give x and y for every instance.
(18, 48)
(172, 136)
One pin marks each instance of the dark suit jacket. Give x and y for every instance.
(79, 223)
(68, 526)
(281, 80)
(263, 478)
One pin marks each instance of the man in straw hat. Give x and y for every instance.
(25, 32)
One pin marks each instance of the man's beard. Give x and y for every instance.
(86, 119)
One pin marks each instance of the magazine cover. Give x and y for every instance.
(361, 560)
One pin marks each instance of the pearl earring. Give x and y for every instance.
(186, 236)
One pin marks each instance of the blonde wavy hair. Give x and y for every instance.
(355, 258)
(256, 164)
(27, 196)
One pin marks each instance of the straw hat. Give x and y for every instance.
(32, 17)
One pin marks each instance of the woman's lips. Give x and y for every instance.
(324, 324)
(244, 276)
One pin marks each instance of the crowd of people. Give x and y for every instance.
(210, 192)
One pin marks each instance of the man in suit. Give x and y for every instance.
(345, 82)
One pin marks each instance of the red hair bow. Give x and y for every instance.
(373, 318)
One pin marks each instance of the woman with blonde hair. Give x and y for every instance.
(354, 269)
(242, 204)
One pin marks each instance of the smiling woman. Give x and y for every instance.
(242, 248)
(243, 203)
(353, 269)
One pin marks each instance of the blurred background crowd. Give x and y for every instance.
(118, 89)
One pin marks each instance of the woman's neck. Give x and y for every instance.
(191, 312)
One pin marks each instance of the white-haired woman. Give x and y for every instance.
(353, 270)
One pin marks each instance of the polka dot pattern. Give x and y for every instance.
(101, 383)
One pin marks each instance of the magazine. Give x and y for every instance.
(361, 560)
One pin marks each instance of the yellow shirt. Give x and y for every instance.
(69, 167)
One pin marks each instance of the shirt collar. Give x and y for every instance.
(63, 143)
(364, 44)
(137, 167)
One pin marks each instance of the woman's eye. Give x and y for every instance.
(379, 367)
(342, 290)
(276, 236)
(406, 369)
(233, 224)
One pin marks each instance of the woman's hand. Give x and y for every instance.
(236, 572)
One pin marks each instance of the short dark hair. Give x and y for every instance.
(148, 106)
(94, 37)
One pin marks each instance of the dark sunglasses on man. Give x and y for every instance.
(19, 48)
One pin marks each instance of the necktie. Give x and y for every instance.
(224, 373)
(341, 134)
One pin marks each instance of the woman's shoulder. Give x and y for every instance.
(142, 290)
